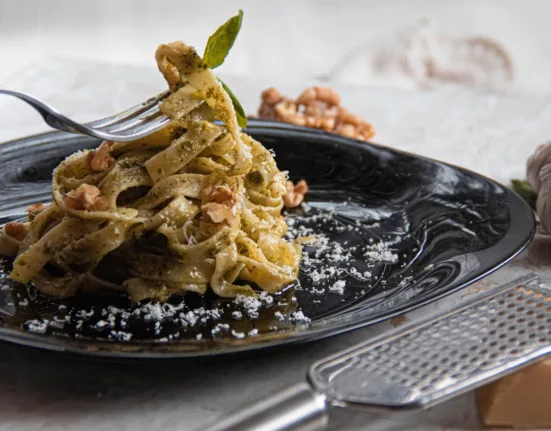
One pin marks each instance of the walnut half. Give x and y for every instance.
(219, 206)
(295, 194)
(86, 197)
(101, 159)
(16, 230)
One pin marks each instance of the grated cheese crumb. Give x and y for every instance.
(338, 287)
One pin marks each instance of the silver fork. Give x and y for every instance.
(134, 123)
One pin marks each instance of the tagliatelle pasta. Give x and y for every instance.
(192, 207)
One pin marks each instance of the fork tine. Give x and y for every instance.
(145, 117)
(129, 113)
(146, 128)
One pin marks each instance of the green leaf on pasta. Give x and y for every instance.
(239, 111)
(220, 43)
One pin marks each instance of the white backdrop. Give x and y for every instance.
(293, 39)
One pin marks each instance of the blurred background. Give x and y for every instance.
(427, 73)
(300, 40)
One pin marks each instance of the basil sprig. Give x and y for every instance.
(239, 111)
(525, 191)
(221, 41)
(216, 51)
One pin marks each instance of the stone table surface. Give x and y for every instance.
(53, 391)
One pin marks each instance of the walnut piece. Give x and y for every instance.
(16, 230)
(86, 197)
(321, 94)
(34, 210)
(316, 107)
(220, 195)
(100, 159)
(287, 112)
(295, 194)
(220, 204)
(271, 96)
(218, 213)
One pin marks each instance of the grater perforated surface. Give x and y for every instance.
(425, 365)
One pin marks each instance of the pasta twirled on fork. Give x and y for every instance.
(194, 206)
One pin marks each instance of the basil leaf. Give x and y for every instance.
(240, 112)
(525, 191)
(220, 43)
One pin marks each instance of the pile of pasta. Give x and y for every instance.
(192, 207)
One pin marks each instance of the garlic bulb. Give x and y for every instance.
(538, 174)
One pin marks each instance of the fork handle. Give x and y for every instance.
(296, 408)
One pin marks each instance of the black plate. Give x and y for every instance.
(400, 231)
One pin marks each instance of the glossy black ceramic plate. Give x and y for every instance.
(393, 232)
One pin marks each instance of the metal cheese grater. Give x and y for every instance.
(479, 341)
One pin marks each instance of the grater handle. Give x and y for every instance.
(296, 408)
